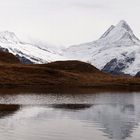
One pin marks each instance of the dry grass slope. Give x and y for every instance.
(58, 74)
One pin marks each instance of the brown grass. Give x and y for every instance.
(58, 74)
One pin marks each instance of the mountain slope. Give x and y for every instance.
(28, 52)
(116, 51)
(8, 58)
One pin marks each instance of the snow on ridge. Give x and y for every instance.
(120, 33)
(8, 37)
(108, 31)
(118, 42)
(35, 52)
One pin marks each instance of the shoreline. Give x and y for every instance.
(41, 89)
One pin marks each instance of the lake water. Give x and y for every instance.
(100, 116)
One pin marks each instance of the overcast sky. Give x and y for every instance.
(66, 22)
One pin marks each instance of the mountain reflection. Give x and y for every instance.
(116, 116)
(109, 115)
(71, 106)
(116, 121)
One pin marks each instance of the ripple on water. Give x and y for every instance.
(101, 116)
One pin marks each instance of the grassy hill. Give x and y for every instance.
(58, 74)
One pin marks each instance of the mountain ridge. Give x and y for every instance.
(118, 42)
(28, 52)
(116, 51)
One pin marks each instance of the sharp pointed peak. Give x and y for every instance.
(122, 22)
(108, 31)
(120, 32)
(122, 25)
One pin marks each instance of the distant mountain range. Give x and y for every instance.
(117, 51)
(35, 52)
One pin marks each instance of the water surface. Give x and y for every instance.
(101, 116)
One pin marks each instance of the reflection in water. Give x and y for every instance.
(7, 110)
(72, 106)
(117, 121)
(100, 116)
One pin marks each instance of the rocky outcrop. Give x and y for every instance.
(116, 66)
(9, 58)
(137, 74)
(24, 60)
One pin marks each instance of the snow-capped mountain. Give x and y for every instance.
(35, 52)
(116, 51)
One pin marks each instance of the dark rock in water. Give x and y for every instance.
(137, 74)
(116, 66)
(24, 60)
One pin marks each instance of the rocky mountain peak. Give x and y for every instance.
(124, 25)
(108, 31)
(121, 33)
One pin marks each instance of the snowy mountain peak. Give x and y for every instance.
(29, 52)
(121, 33)
(117, 51)
(123, 25)
(8, 37)
(108, 31)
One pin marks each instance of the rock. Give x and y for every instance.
(24, 60)
(137, 74)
